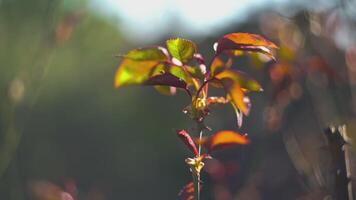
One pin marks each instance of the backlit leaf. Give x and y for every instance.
(234, 43)
(224, 139)
(234, 83)
(132, 72)
(165, 90)
(234, 92)
(235, 95)
(218, 65)
(180, 72)
(246, 83)
(187, 139)
(147, 54)
(195, 72)
(181, 49)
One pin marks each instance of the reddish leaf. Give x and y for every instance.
(244, 42)
(218, 65)
(235, 94)
(166, 79)
(246, 83)
(187, 192)
(187, 139)
(225, 139)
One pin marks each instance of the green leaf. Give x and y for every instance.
(147, 54)
(132, 72)
(165, 90)
(181, 49)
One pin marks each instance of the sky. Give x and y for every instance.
(149, 19)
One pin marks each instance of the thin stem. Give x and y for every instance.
(200, 138)
(202, 86)
(196, 177)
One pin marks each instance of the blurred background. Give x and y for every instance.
(65, 130)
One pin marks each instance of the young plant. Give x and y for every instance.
(181, 66)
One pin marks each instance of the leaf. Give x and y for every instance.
(132, 72)
(196, 72)
(218, 65)
(246, 83)
(180, 72)
(147, 54)
(236, 95)
(234, 43)
(166, 79)
(239, 115)
(224, 139)
(233, 81)
(187, 139)
(216, 100)
(187, 192)
(165, 90)
(181, 49)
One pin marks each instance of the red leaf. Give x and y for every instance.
(166, 79)
(224, 139)
(187, 139)
(187, 192)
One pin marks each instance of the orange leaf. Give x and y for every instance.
(235, 94)
(218, 65)
(224, 139)
(244, 42)
(246, 83)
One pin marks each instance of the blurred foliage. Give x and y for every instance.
(66, 130)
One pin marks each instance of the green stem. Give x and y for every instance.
(196, 176)
(196, 181)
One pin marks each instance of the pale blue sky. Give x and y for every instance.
(148, 19)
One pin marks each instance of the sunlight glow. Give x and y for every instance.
(150, 19)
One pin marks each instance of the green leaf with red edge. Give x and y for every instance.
(147, 54)
(225, 139)
(246, 83)
(181, 49)
(132, 72)
(188, 141)
(234, 43)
